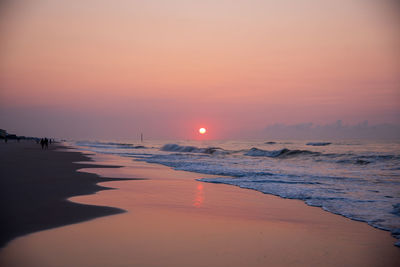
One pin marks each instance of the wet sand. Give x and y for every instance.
(35, 184)
(174, 220)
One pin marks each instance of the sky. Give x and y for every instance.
(113, 69)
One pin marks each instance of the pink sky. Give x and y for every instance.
(102, 69)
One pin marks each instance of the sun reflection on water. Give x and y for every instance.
(199, 198)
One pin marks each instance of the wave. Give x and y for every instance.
(354, 161)
(318, 143)
(256, 152)
(347, 158)
(396, 209)
(379, 157)
(192, 149)
(365, 159)
(110, 145)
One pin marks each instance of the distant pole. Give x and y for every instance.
(141, 137)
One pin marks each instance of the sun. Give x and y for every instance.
(202, 130)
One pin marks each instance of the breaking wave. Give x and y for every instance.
(318, 143)
(192, 149)
(256, 152)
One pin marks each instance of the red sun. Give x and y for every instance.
(202, 130)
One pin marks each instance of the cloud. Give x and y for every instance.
(335, 130)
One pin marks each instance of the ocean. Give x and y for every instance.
(356, 179)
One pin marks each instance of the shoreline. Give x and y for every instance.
(36, 184)
(322, 236)
(174, 220)
(396, 243)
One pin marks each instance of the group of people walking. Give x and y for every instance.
(44, 142)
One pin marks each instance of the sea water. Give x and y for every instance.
(357, 179)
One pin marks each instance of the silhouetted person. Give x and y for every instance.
(42, 143)
(46, 143)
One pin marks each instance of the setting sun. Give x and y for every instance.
(202, 130)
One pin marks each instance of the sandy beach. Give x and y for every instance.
(171, 219)
(35, 184)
